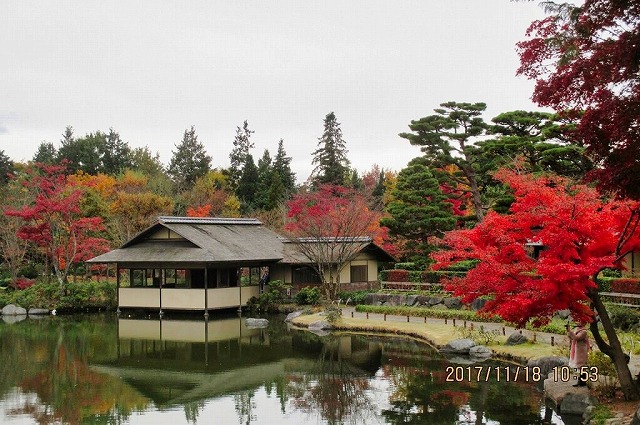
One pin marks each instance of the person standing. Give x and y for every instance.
(579, 350)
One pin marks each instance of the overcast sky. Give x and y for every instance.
(151, 69)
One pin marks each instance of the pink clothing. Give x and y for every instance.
(579, 346)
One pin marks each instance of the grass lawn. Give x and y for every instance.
(433, 333)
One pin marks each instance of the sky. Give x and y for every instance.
(152, 69)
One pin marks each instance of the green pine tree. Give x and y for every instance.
(282, 166)
(248, 185)
(419, 210)
(330, 158)
(241, 146)
(189, 161)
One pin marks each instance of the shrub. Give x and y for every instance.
(24, 283)
(407, 266)
(462, 266)
(623, 318)
(273, 294)
(626, 285)
(394, 275)
(604, 283)
(308, 296)
(354, 297)
(77, 297)
(333, 312)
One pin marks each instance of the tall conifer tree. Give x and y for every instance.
(330, 158)
(189, 161)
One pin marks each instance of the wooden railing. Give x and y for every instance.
(623, 299)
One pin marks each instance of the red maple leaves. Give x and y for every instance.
(581, 234)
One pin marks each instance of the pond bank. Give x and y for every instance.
(438, 332)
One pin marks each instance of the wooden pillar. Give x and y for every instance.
(118, 290)
(160, 312)
(206, 295)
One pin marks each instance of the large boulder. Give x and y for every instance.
(13, 310)
(256, 323)
(576, 403)
(396, 300)
(320, 325)
(480, 352)
(516, 338)
(636, 418)
(422, 300)
(412, 300)
(478, 303)
(38, 311)
(435, 301)
(453, 303)
(459, 346)
(439, 307)
(375, 299)
(547, 364)
(293, 315)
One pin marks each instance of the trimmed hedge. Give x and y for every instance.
(429, 276)
(617, 284)
(626, 285)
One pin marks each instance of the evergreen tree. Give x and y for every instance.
(447, 139)
(116, 154)
(330, 158)
(282, 166)
(378, 192)
(6, 167)
(82, 154)
(46, 153)
(419, 210)
(238, 156)
(276, 194)
(248, 184)
(265, 177)
(189, 161)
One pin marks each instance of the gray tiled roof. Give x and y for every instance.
(220, 240)
(207, 240)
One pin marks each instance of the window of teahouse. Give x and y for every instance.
(182, 278)
(359, 273)
(305, 274)
(170, 278)
(137, 277)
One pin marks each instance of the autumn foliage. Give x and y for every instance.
(584, 60)
(579, 231)
(54, 221)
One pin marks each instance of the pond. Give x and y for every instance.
(100, 369)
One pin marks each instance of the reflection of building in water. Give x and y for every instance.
(178, 361)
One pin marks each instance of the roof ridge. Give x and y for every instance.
(208, 220)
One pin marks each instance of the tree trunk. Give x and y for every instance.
(475, 191)
(613, 349)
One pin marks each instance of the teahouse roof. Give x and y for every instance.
(294, 255)
(208, 240)
(221, 240)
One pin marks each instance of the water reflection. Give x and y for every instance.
(100, 369)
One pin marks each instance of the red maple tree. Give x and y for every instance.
(53, 221)
(584, 60)
(580, 233)
(329, 225)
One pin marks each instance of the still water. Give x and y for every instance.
(99, 369)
